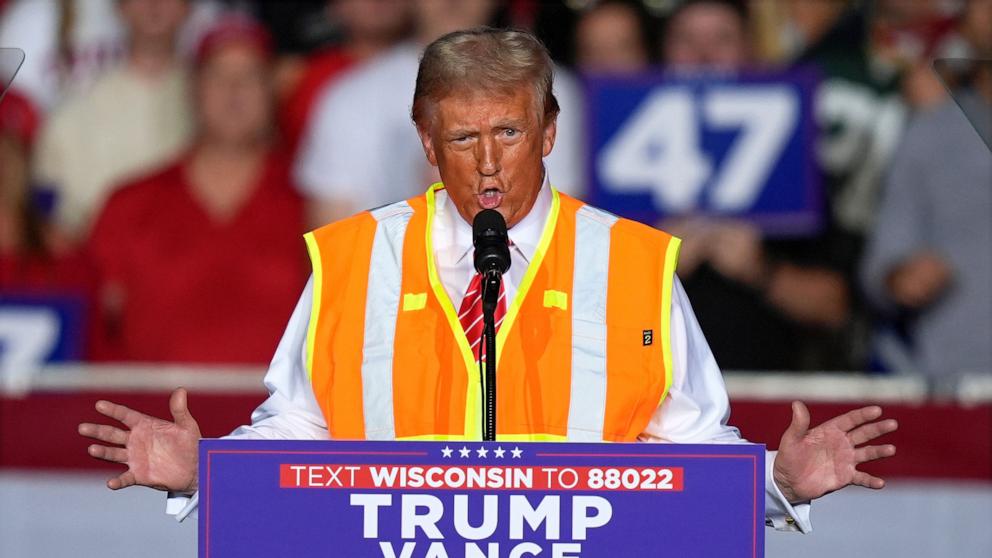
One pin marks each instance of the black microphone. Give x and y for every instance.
(492, 259)
(492, 245)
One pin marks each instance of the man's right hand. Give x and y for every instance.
(158, 453)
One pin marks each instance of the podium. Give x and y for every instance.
(479, 499)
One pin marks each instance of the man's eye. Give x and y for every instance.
(510, 132)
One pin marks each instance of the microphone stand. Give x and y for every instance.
(491, 259)
(490, 297)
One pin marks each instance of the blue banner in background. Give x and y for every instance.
(479, 499)
(35, 329)
(665, 145)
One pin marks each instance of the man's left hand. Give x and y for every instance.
(818, 461)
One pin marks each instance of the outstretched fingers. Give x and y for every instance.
(868, 432)
(862, 478)
(871, 453)
(800, 422)
(123, 480)
(179, 408)
(853, 419)
(104, 433)
(128, 416)
(107, 453)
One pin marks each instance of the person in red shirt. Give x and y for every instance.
(202, 261)
(34, 257)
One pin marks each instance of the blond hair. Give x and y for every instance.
(484, 59)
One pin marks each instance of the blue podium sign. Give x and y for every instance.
(479, 499)
(666, 145)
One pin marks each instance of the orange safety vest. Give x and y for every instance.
(584, 352)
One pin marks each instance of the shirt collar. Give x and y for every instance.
(524, 236)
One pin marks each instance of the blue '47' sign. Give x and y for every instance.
(731, 145)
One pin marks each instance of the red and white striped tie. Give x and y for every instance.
(470, 314)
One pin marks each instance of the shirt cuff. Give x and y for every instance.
(779, 512)
(182, 505)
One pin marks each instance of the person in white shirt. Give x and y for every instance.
(66, 45)
(133, 118)
(488, 148)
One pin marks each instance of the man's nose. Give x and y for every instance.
(488, 155)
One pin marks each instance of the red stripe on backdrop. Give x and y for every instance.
(934, 440)
(40, 431)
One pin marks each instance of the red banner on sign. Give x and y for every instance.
(459, 477)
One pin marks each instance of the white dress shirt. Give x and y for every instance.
(695, 411)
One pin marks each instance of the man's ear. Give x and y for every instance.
(550, 131)
(427, 144)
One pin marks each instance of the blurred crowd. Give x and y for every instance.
(160, 159)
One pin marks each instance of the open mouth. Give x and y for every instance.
(490, 198)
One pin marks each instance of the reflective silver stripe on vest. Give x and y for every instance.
(381, 306)
(587, 405)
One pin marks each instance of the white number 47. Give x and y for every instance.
(658, 147)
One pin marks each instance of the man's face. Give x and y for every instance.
(706, 37)
(234, 98)
(154, 20)
(488, 149)
(609, 40)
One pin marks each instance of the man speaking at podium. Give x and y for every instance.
(596, 339)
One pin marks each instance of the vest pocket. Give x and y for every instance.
(636, 378)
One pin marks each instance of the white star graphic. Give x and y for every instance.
(446, 452)
(464, 452)
(517, 452)
(498, 452)
(482, 452)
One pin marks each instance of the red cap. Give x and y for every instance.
(19, 116)
(233, 28)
